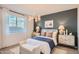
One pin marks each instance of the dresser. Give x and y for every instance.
(67, 40)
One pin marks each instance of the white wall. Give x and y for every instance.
(29, 28)
(0, 27)
(15, 38)
(9, 39)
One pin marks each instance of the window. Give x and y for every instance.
(20, 22)
(16, 24)
(12, 21)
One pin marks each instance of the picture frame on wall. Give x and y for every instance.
(49, 24)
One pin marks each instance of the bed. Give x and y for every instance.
(39, 45)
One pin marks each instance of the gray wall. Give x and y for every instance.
(68, 18)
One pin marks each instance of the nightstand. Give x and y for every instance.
(67, 40)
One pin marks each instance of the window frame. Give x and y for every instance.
(16, 29)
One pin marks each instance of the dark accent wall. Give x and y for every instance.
(68, 18)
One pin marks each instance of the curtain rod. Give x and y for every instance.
(17, 12)
(13, 11)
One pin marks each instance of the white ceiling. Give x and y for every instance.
(39, 9)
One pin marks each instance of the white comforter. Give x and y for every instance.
(43, 46)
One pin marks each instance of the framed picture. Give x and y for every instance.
(49, 24)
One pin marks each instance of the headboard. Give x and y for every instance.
(49, 32)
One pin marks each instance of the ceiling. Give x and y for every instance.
(38, 9)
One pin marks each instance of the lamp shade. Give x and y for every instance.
(37, 27)
(61, 27)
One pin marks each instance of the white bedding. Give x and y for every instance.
(43, 46)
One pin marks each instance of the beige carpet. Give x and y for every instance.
(59, 51)
(56, 50)
(12, 50)
(64, 50)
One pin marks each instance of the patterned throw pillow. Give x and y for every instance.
(49, 34)
(43, 33)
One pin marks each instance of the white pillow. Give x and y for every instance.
(54, 34)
